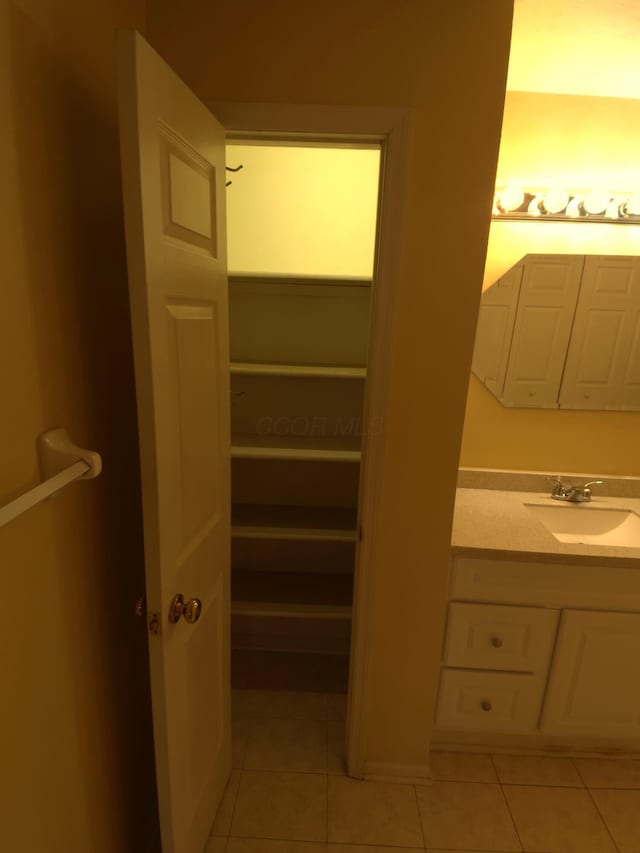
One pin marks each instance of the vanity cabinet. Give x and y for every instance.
(594, 686)
(530, 650)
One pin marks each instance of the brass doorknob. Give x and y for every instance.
(175, 608)
(191, 609)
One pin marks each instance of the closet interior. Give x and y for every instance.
(301, 222)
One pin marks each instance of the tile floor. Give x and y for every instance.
(288, 793)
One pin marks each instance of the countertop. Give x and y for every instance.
(496, 523)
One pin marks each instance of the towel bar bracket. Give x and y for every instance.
(57, 452)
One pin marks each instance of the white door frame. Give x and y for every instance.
(390, 127)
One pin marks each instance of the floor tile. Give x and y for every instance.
(278, 705)
(620, 811)
(225, 811)
(462, 767)
(557, 820)
(537, 770)
(609, 773)
(296, 745)
(466, 816)
(336, 758)
(373, 813)
(239, 734)
(290, 806)
(336, 706)
(216, 844)
(368, 848)
(267, 845)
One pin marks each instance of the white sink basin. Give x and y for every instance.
(587, 525)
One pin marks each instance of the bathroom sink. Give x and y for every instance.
(586, 525)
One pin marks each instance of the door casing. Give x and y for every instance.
(388, 126)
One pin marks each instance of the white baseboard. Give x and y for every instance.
(534, 744)
(408, 774)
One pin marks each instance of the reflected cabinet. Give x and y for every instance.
(562, 331)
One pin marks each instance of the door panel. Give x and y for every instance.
(603, 361)
(173, 184)
(548, 296)
(594, 688)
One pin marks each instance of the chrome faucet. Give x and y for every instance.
(575, 494)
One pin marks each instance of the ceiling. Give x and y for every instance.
(576, 47)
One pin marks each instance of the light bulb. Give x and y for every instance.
(632, 205)
(615, 209)
(596, 203)
(574, 208)
(555, 201)
(511, 198)
(534, 206)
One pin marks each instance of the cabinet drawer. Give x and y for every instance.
(489, 701)
(550, 584)
(482, 636)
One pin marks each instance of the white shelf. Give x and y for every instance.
(304, 449)
(292, 611)
(293, 523)
(293, 534)
(300, 371)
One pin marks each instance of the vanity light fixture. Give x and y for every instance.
(512, 202)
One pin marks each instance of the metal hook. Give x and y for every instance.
(233, 169)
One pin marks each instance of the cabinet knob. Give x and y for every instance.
(496, 642)
(486, 705)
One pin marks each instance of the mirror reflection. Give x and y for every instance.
(562, 331)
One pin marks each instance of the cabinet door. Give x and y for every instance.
(495, 328)
(546, 306)
(594, 687)
(603, 361)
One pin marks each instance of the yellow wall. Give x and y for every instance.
(302, 210)
(572, 142)
(75, 727)
(449, 67)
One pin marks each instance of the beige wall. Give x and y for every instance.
(571, 142)
(449, 68)
(75, 727)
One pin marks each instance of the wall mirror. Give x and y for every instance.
(562, 332)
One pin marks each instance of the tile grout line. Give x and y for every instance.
(235, 803)
(424, 839)
(506, 802)
(595, 805)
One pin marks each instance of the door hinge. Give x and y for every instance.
(360, 533)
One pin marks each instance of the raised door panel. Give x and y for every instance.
(594, 688)
(548, 296)
(495, 327)
(603, 360)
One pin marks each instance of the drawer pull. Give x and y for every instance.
(486, 705)
(496, 642)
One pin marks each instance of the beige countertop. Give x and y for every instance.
(496, 523)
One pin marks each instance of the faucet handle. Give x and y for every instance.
(560, 487)
(593, 483)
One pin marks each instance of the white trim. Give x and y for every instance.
(533, 744)
(390, 126)
(404, 774)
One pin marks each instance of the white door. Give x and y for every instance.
(174, 184)
(603, 361)
(548, 296)
(594, 688)
(495, 329)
